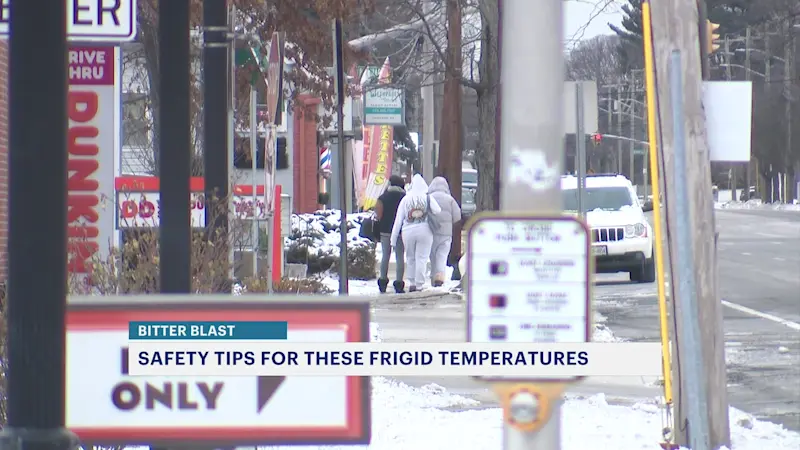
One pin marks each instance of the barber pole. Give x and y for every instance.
(325, 159)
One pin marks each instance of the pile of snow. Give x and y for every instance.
(758, 204)
(320, 230)
(604, 334)
(430, 418)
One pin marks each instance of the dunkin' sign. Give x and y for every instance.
(138, 204)
(93, 112)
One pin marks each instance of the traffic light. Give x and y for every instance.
(597, 139)
(712, 37)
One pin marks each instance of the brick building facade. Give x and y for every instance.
(305, 167)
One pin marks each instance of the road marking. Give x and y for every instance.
(769, 235)
(746, 253)
(778, 258)
(787, 323)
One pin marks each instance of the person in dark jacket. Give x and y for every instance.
(385, 212)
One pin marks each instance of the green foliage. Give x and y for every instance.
(361, 263)
(304, 248)
(630, 34)
(288, 286)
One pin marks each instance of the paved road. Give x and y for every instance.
(759, 269)
(428, 317)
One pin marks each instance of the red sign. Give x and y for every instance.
(105, 405)
(91, 149)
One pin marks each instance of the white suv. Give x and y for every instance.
(622, 239)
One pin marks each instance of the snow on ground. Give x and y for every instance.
(757, 204)
(321, 229)
(430, 418)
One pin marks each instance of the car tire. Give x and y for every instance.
(647, 274)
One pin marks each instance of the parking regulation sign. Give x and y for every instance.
(90, 20)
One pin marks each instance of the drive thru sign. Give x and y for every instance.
(106, 406)
(90, 20)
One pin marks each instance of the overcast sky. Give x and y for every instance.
(596, 13)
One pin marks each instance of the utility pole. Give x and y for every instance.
(610, 114)
(747, 44)
(428, 107)
(451, 142)
(215, 124)
(619, 128)
(788, 77)
(669, 17)
(37, 287)
(729, 77)
(534, 130)
(760, 188)
(632, 116)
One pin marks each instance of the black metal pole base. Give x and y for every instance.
(38, 439)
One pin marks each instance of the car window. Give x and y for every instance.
(610, 198)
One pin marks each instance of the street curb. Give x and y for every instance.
(492, 403)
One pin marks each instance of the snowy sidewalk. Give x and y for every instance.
(407, 418)
(430, 418)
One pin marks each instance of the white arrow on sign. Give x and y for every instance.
(91, 20)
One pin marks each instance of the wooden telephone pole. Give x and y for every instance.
(452, 133)
(711, 426)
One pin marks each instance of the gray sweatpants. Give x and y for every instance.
(439, 252)
(386, 253)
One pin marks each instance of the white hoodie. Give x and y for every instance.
(412, 210)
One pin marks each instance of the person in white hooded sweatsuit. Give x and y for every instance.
(443, 237)
(412, 220)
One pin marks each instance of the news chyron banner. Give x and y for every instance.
(264, 348)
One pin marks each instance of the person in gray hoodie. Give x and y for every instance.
(439, 190)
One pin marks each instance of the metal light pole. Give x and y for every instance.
(175, 230)
(215, 123)
(36, 308)
(254, 174)
(632, 116)
(344, 193)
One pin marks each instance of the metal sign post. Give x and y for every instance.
(254, 177)
(274, 109)
(344, 193)
(580, 149)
